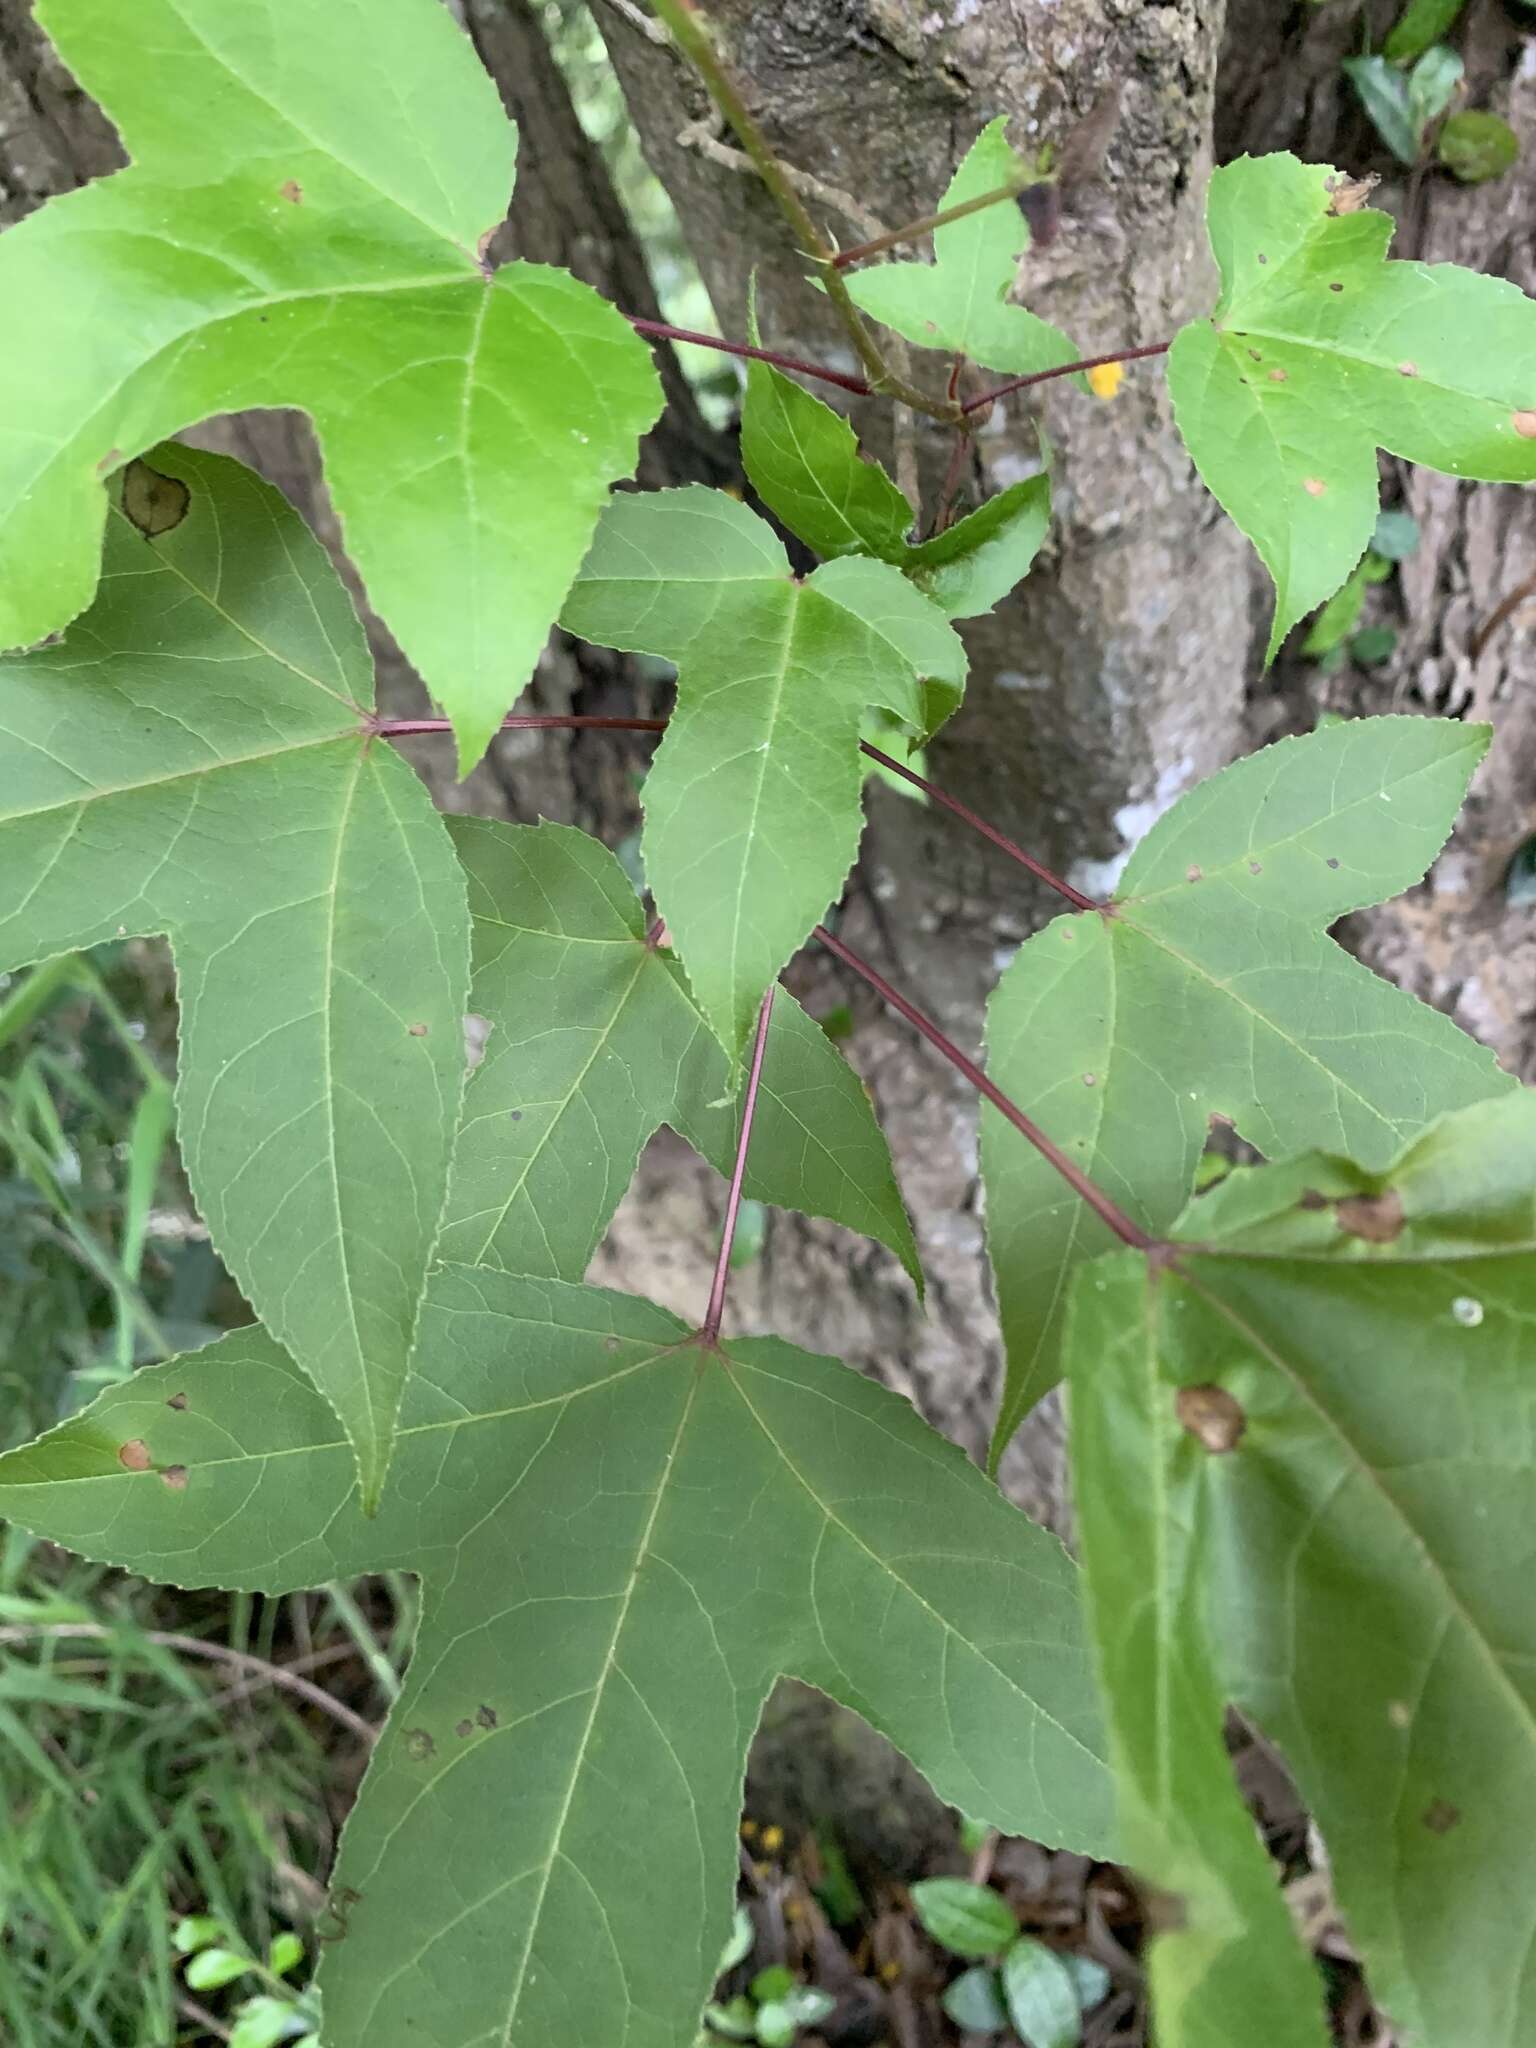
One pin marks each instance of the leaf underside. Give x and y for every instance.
(1354, 1571)
(596, 1042)
(190, 759)
(624, 1540)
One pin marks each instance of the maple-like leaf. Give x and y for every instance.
(624, 1540)
(596, 1042)
(1209, 988)
(752, 812)
(301, 225)
(957, 301)
(1302, 1468)
(1319, 352)
(192, 759)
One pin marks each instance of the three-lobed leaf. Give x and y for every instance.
(1319, 352)
(957, 302)
(192, 758)
(302, 225)
(1209, 988)
(752, 808)
(1302, 1466)
(624, 1538)
(595, 1042)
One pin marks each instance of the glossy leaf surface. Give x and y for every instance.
(596, 1042)
(752, 809)
(624, 1540)
(302, 225)
(1211, 989)
(191, 759)
(1319, 352)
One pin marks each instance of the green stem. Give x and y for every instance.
(694, 40)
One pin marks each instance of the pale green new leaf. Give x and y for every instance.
(1362, 1552)
(803, 460)
(1225, 1964)
(957, 301)
(1210, 988)
(191, 759)
(595, 1042)
(302, 225)
(805, 465)
(973, 565)
(752, 807)
(624, 1539)
(1319, 352)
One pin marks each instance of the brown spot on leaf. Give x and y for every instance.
(1314, 486)
(1440, 1816)
(292, 191)
(486, 1716)
(419, 1745)
(175, 1477)
(1525, 425)
(1212, 1416)
(1263, 259)
(1090, 1080)
(1193, 873)
(1376, 1218)
(1407, 369)
(1256, 356)
(418, 1031)
(516, 1115)
(1311, 1199)
(1348, 195)
(1332, 861)
(134, 1456)
(152, 502)
(483, 250)
(1335, 287)
(463, 1728)
(1279, 376)
(177, 1401)
(110, 460)
(1255, 867)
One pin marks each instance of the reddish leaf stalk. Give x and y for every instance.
(401, 728)
(658, 330)
(710, 1329)
(978, 824)
(1119, 355)
(1128, 1231)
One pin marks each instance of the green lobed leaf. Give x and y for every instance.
(1209, 988)
(753, 805)
(1319, 352)
(1225, 1965)
(968, 1919)
(957, 301)
(301, 226)
(596, 1042)
(803, 461)
(192, 759)
(591, 1499)
(1352, 1351)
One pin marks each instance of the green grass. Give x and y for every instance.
(162, 1754)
